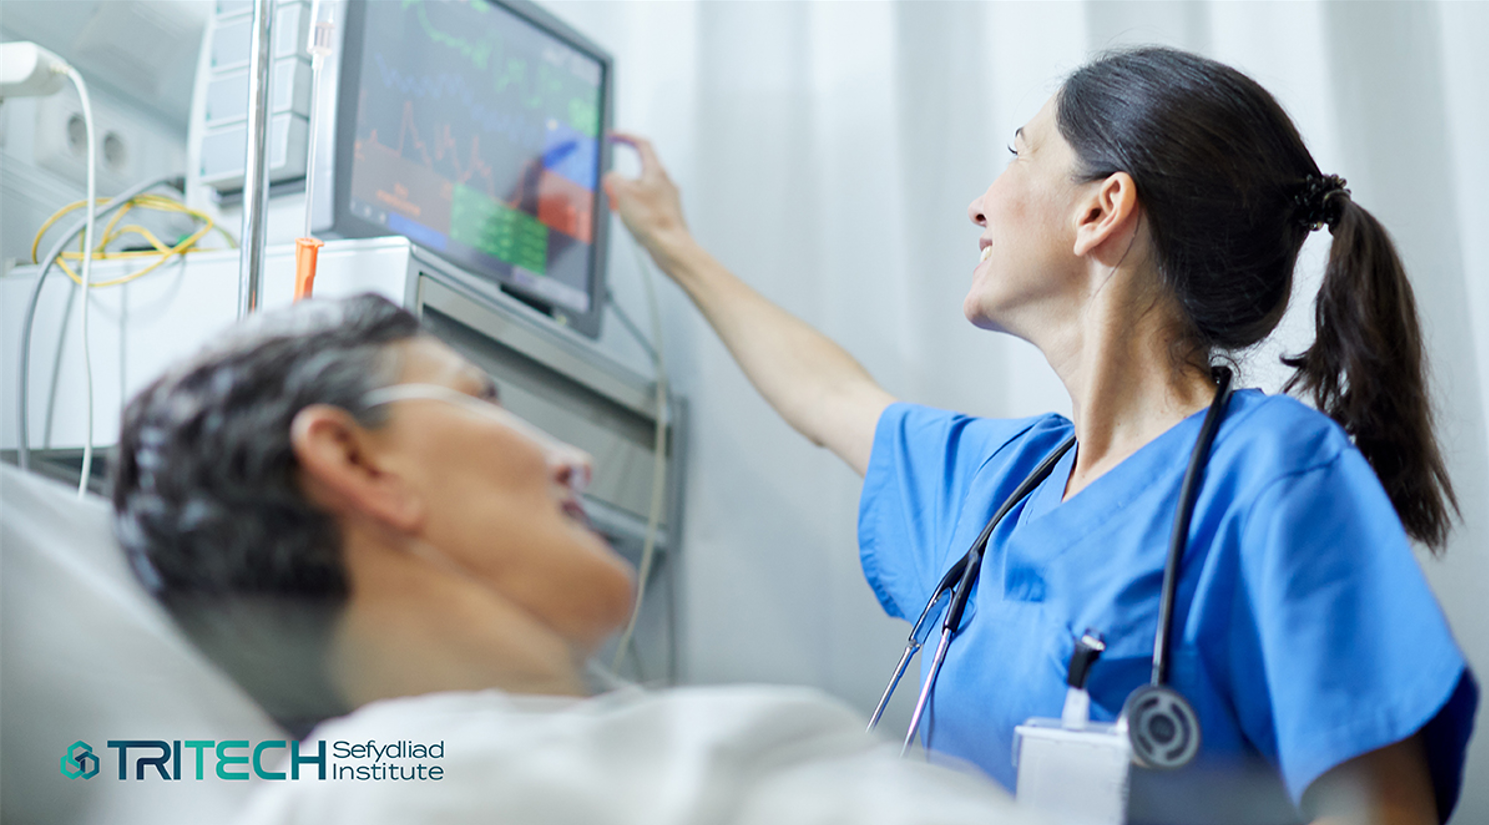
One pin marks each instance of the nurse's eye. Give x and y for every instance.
(1012, 151)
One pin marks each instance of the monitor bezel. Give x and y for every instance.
(347, 225)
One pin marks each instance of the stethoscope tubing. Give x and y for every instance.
(959, 579)
(917, 637)
(1179, 538)
(958, 582)
(925, 692)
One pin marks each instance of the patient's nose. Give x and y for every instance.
(571, 466)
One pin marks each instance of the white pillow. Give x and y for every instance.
(86, 654)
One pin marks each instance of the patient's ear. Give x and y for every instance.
(341, 471)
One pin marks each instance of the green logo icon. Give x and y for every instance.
(79, 761)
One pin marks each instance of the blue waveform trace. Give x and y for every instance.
(516, 127)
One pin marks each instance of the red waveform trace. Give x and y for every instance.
(445, 146)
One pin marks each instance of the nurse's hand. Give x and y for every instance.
(649, 205)
(812, 382)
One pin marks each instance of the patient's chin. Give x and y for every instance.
(610, 599)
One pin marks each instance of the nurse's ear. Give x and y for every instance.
(342, 473)
(1106, 219)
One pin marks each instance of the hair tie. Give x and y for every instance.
(1320, 201)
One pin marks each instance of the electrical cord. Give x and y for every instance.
(630, 325)
(91, 218)
(659, 466)
(113, 232)
(53, 256)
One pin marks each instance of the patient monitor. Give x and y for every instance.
(472, 128)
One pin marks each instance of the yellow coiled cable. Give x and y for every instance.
(114, 232)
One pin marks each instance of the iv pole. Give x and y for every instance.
(255, 183)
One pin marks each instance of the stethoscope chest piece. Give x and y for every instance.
(1162, 728)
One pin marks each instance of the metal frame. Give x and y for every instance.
(255, 162)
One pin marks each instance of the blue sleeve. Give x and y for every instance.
(1345, 649)
(922, 465)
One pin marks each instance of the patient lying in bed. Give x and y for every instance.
(335, 507)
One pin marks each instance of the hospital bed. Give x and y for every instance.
(86, 655)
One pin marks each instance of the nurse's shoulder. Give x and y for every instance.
(1296, 484)
(1266, 437)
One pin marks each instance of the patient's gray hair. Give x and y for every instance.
(207, 500)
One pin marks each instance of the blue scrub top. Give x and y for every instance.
(1305, 633)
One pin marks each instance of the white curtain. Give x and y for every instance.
(827, 153)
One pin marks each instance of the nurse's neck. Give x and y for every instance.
(1121, 361)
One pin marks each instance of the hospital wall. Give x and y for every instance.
(827, 153)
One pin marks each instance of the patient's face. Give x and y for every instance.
(498, 505)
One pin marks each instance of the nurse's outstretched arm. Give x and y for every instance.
(812, 382)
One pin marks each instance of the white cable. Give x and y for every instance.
(659, 465)
(92, 208)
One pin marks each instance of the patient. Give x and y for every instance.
(335, 507)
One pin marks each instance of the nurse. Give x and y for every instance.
(1146, 226)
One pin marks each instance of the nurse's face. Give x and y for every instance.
(499, 500)
(1028, 276)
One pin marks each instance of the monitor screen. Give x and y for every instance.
(474, 128)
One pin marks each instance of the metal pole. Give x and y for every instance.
(255, 181)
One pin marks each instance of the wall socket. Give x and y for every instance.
(130, 147)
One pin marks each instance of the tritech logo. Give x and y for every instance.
(141, 760)
(79, 761)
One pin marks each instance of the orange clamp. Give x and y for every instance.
(307, 254)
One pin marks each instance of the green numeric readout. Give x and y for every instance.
(498, 230)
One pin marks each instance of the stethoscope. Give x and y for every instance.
(1161, 725)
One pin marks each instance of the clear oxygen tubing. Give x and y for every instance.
(89, 220)
(23, 451)
(659, 465)
(320, 47)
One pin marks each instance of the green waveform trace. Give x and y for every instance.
(477, 53)
(512, 72)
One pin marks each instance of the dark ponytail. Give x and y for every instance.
(1231, 194)
(1366, 369)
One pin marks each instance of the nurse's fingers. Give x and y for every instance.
(650, 163)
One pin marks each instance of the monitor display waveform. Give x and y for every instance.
(479, 139)
(519, 127)
(442, 148)
(562, 76)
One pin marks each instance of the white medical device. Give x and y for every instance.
(1071, 768)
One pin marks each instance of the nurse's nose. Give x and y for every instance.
(974, 211)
